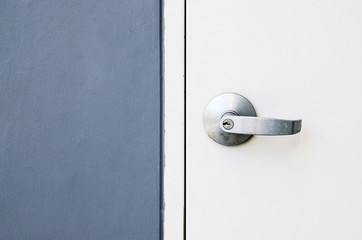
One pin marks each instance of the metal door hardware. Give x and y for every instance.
(230, 119)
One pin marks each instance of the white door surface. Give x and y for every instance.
(292, 60)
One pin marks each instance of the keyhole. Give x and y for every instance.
(228, 124)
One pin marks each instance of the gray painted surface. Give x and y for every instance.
(79, 119)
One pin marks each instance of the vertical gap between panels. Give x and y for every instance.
(185, 119)
(162, 120)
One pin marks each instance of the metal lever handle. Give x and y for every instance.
(230, 119)
(260, 126)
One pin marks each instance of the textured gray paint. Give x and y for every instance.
(79, 119)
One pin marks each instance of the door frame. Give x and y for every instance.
(174, 118)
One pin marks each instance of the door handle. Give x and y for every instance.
(230, 119)
(260, 126)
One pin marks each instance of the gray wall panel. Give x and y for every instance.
(80, 119)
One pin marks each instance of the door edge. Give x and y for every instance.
(174, 115)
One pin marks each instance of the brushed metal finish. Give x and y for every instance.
(230, 119)
(227, 104)
(262, 126)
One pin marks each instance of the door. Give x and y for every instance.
(291, 60)
(80, 120)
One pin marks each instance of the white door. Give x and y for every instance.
(292, 60)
